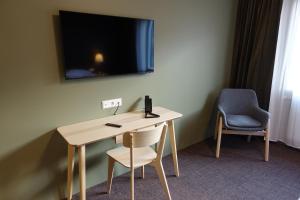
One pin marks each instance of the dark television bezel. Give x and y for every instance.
(110, 75)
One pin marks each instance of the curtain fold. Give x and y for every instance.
(285, 94)
(255, 46)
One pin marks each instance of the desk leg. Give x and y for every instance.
(173, 145)
(81, 154)
(70, 171)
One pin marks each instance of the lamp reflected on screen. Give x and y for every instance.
(99, 58)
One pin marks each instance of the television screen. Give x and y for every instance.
(100, 45)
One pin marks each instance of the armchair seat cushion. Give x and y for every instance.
(243, 121)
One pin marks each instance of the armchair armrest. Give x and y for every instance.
(222, 112)
(261, 115)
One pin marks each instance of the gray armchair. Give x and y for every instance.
(239, 113)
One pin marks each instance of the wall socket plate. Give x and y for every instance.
(111, 103)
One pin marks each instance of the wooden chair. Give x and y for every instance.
(136, 152)
(239, 113)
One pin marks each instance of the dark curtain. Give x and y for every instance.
(255, 46)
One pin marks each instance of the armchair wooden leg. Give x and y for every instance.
(216, 127)
(143, 171)
(219, 137)
(110, 172)
(249, 138)
(267, 145)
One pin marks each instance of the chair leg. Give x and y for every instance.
(143, 171)
(219, 137)
(110, 172)
(71, 150)
(162, 177)
(82, 172)
(267, 145)
(132, 183)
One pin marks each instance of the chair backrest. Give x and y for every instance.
(144, 137)
(237, 101)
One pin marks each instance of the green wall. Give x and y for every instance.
(193, 43)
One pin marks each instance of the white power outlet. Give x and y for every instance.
(111, 103)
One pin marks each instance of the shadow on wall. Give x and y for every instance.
(198, 125)
(135, 105)
(58, 42)
(40, 157)
(38, 169)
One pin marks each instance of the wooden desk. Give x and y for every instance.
(80, 134)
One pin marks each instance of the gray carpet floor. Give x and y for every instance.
(240, 173)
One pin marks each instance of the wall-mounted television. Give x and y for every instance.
(100, 45)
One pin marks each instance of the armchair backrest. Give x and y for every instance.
(237, 101)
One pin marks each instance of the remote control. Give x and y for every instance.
(113, 125)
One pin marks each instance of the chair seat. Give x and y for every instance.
(243, 121)
(142, 156)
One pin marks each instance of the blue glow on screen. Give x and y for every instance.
(144, 46)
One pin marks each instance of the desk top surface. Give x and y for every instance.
(94, 130)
